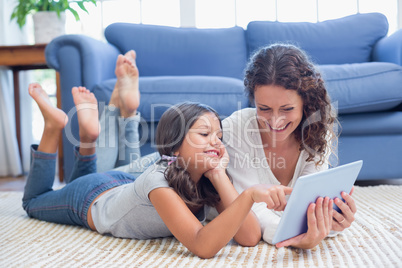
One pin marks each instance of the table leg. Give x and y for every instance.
(17, 110)
(60, 152)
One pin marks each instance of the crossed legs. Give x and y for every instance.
(119, 139)
(69, 204)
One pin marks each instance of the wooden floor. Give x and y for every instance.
(18, 183)
(12, 184)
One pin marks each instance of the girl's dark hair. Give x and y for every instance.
(170, 133)
(288, 66)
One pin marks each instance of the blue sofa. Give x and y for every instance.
(361, 66)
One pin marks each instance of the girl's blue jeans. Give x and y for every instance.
(70, 204)
(118, 146)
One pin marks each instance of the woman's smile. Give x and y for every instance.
(278, 129)
(279, 111)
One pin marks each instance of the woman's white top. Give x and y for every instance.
(248, 165)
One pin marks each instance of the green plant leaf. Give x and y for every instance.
(26, 7)
(81, 5)
(75, 13)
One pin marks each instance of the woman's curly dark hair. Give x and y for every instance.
(170, 133)
(288, 66)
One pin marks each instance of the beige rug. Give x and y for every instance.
(374, 240)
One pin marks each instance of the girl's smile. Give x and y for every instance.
(213, 153)
(202, 147)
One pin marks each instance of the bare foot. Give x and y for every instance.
(53, 116)
(87, 113)
(55, 120)
(126, 94)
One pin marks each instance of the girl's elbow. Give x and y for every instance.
(250, 241)
(204, 253)
(250, 238)
(206, 256)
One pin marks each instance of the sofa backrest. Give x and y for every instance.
(163, 50)
(346, 40)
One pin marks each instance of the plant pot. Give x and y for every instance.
(47, 25)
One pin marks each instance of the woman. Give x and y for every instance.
(288, 134)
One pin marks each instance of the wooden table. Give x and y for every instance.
(22, 58)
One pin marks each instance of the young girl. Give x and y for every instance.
(171, 197)
(288, 134)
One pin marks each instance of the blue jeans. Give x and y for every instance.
(118, 145)
(118, 156)
(70, 204)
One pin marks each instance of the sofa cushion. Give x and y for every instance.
(363, 87)
(380, 154)
(224, 94)
(345, 40)
(371, 124)
(163, 50)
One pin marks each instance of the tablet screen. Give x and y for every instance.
(307, 189)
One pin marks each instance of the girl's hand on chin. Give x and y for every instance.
(221, 165)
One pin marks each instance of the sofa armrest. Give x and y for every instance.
(81, 58)
(80, 61)
(389, 49)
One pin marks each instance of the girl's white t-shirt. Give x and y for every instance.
(126, 211)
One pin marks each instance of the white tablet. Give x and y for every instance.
(307, 189)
